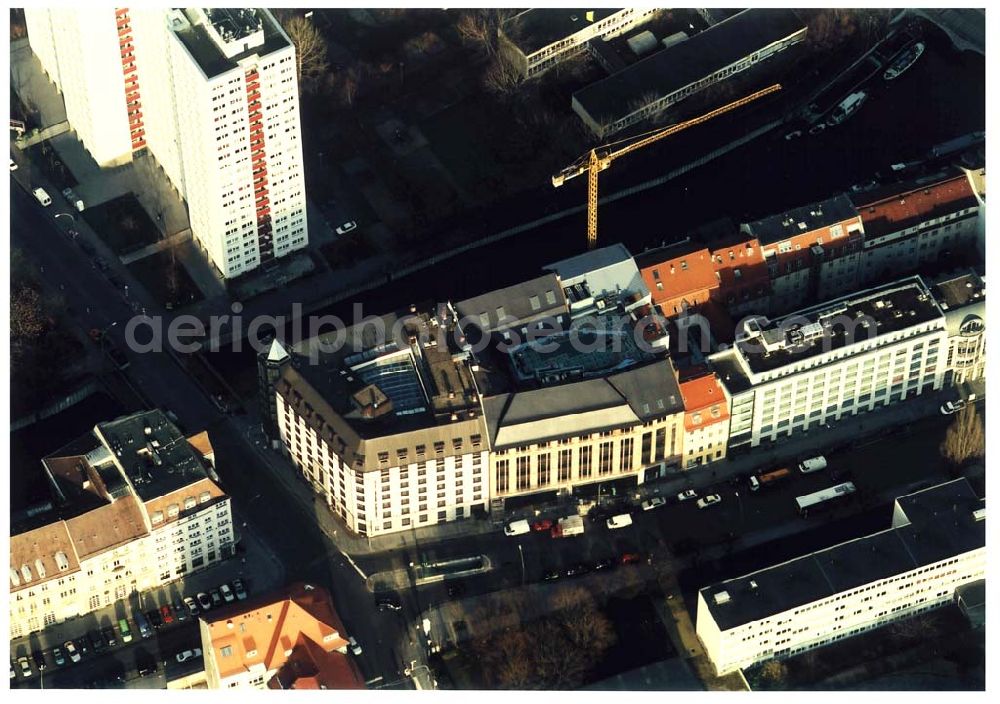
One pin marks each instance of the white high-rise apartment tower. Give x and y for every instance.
(212, 93)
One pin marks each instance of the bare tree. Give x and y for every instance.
(965, 438)
(483, 28)
(503, 76)
(27, 319)
(310, 52)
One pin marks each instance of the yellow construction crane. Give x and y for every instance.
(601, 157)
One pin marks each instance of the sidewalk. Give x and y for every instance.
(848, 430)
(267, 573)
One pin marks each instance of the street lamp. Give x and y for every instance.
(520, 552)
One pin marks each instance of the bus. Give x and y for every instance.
(125, 631)
(823, 499)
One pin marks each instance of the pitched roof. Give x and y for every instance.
(41, 545)
(701, 394)
(107, 527)
(803, 220)
(274, 628)
(904, 210)
(677, 271)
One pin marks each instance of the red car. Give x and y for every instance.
(168, 616)
(630, 558)
(544, 524)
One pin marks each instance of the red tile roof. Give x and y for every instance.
(688, 277)
(704, 402)
(298, 625)
(905, 210)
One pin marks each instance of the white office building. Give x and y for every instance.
(137, 505)
(847, 356)
(389, 432)
(936, 544)
(213, 94)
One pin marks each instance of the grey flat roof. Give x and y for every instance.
(941, 525)
(892, 308)
(157, 462)
(535, 29)
(673, 68)
(797, 221)
(537, 299)
(581, 264)
(211, 59)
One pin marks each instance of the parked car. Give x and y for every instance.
(39, 657)
(544, 524)
(71, 651)
(155, 618)
(577, 569)
(816, 129)
(192, 605)
(57, 656)
(188, 655)
(622, 520)
(216, 597)
(25, 667)
(551, 575)
(13, 165)
(516, 528)
(347, 227)
(655, 502)
(73, 198)
(605, 564)
(180, 611)
(792, 135)
(687, 495)
(167, 613)
(240, 589)
(951, 407)
(710, 500)
(109, 635)
(145, 663)
(42, 197)
(630, 558)
(96, 641)
(204, 601)
(389, 602)
(227, 594)
(354, 645)
(145, 629)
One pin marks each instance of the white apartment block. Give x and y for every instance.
(214, 95)
(86, 52)
(936, 544)
(847, 356)
(138, 506)
(543, 37)
(391, 435)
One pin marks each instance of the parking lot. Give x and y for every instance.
(121, 646)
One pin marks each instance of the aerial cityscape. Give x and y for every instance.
(616, 349)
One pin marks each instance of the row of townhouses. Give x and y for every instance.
(573, 380)
(136, 505)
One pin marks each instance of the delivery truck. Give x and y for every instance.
(768, 478)
(568, 526)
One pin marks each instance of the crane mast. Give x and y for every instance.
(600, 158)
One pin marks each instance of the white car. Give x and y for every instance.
(792, 135)
(13, 166)
(354, 645)
(71, 650)
(687, 495)
(188, 655)
(622, 520)
(710, 500)
(655, 502)
(227, 594)
(952, 407)
(347, 227)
